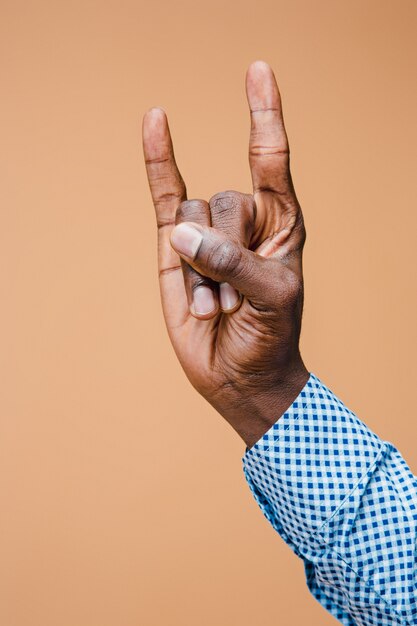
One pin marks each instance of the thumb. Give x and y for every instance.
(222, 259)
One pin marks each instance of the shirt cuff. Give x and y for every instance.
(317, 457)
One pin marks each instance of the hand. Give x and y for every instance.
(230, 270)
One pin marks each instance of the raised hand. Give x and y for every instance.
(230, 270)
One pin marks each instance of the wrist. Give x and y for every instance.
(252, 412)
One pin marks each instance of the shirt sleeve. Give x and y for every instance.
(345, 502)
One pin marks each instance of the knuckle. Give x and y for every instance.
(225, 200)
(229, 206)
(189, 210)
(293, 291)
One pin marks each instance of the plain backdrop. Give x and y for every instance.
(122, 497)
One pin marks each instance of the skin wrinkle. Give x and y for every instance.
(225, 259)
(167, 270)
(157, 160)
(270, 190)
(169, 196)
(267, 151)
(163, 223)
(265, 110)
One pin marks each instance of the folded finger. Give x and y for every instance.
(201, 291)
(232, 213)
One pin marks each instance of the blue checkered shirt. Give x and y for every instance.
(345, 502)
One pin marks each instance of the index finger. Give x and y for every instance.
(165, 181)
(268, 144)
(168, 191)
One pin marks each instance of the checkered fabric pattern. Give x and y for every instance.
(345, 502)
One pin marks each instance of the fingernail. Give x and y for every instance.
(186, 240)
(203, 300)
(229, 297)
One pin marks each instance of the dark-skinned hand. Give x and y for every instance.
(230, 270)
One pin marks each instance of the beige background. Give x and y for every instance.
(123, 502)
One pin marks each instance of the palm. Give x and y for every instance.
(218, 352)
(231, 349)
